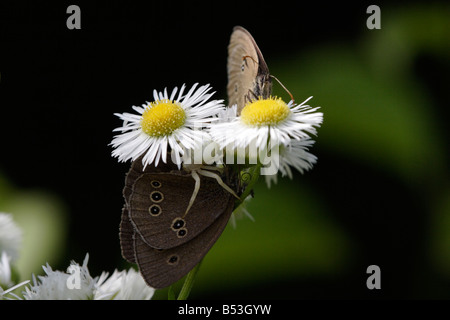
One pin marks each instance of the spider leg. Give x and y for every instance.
(195, 192)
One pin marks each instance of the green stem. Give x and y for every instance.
(170, 294)
(255, 173)
(188, 283)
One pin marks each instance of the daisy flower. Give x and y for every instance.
(169, 123)
(5, 272)
(268, 122)
(296, 156)
(7, 285)
(75, 284)
(10, 236)
(78, 284)
(123, 285)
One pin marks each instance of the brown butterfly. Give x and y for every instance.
(248, 74)
(157, 233)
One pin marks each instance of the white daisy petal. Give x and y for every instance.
(10, 237)
(172, 95)
(151, 154)
(155, 95)
(180, 94)
(164, 150)
(188, 95)
(123, 285)
(293, 156)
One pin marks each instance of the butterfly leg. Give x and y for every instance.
(248, 98)
(219, 180)
(195, 192)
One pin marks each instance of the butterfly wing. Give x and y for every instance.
(143, 239)
(248, 74)
(158, 202)
(126, 229)
(161, 268)
(126, 237)
(241, 72)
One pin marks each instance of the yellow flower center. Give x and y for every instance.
(264, 112)
(162, 118)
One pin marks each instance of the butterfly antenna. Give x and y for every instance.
(292, 97)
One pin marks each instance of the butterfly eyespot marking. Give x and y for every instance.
(155, 210)
(156, 184)
(235, 88)
(182, 233)
(172, 260)
(156, 196)
(177, 224)
(242, 68)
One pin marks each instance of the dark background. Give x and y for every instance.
(59, 89)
